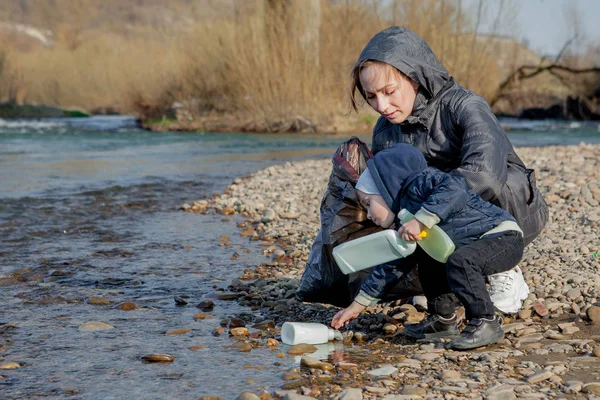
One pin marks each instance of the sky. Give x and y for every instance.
(546, 25)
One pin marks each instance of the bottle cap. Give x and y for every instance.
(334, 334)
(403, 214)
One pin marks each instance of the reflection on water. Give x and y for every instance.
(89, 221)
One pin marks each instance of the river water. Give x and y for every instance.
(91, 208)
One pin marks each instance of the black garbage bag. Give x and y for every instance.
(343, 219)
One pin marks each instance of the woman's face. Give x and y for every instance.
(377, 209)
(389, 92)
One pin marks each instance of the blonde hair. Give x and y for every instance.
(357, 86)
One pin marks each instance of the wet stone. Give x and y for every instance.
(127, 306)
(98, 301)
(180, 302)
(242, 347)
(302, 349)
(182, 331)
(345, 366)
(202, 316)
(239, 331)
(294, 384)
(10, 365)
(206, 305)
(264, 326)
(291, 375)
(236, 323)
(225, 296)
(195, 348)
(95, 326)
(219, 330)
(310, 362)
(158, 358)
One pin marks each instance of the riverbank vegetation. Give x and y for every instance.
(255, 65)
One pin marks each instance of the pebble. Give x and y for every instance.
(540, 376)
(99, 301)
(309, 362)
(302, 348)
(95, 326)
(127, 306)
(593, 313)
(281, 205)
(351, 394)
(158, 358)
(206, 305)
(248, 396)
(182, 331)
(385, 370)
(10, 365)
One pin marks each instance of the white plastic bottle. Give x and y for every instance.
(308, 332)
(434, 242)
(374, 249)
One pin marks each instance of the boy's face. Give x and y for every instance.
(388, 92)
(377, 209)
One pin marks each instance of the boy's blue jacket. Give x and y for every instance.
(405, 181)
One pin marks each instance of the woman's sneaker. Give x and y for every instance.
(508, 290)
(479, 332)
(432, 327)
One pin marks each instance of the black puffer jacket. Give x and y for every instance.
(456, 131)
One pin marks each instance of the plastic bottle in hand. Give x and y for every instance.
(370, 250)
(434, 241)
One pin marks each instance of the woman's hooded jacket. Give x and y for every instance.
(456, 130)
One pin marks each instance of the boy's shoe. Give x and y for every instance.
(479, 332)
(432, 327)
(508, 290)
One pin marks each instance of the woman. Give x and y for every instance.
(398, 75)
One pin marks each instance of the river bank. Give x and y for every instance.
(551, 348)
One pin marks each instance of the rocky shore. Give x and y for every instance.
(551, 347)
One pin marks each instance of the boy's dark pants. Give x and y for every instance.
(465, 271)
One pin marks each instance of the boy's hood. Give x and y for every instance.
(393, 169)
(409, 53)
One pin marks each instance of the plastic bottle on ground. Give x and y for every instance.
(308, 332)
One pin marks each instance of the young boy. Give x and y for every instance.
(487, 240)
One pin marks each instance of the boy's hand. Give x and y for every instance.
(344, 316)
(410, 230)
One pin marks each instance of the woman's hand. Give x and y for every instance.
(410, 231)
(344, 316)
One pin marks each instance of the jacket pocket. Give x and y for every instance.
(526, 203)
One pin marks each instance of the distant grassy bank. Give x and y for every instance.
(257, 66)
